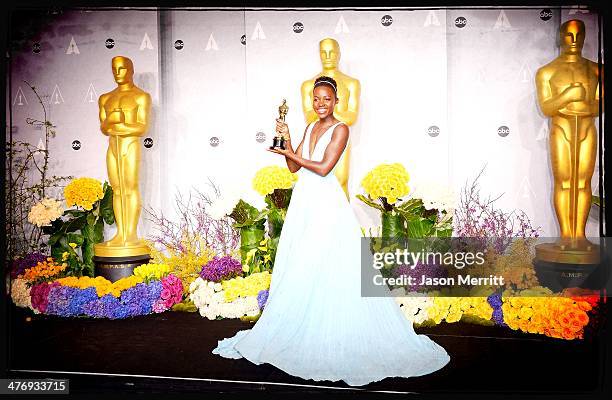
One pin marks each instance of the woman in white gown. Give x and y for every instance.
(316, 325)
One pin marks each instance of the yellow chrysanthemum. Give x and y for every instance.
(387, 180)
(273, 177)
(243, 287)
(83, 192)
(102, 285)
(151, 271)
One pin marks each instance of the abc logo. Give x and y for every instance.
(76, 145)
(503, 131)
(214, 141)
(179, 45)
(546, 14)
(260, 137)
(433, 131)
(110, 43)
(386, 20)
(243, 39)
(298, 27)
(148, 143)
(460, 22)
(36, 48)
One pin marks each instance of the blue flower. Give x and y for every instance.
(262, 298)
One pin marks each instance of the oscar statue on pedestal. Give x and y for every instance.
(124, 118)
(569, 93)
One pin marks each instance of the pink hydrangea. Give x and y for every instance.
(172, 290)
(40, 295)
(159, 306)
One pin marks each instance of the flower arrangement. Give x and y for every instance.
(47, 210)
(186, 264)
(387, 184)
(43, 271)
(200, 228)
(276, 184)
(83, 192)
(477, 217)
(72, 237)
(20, 264)
(99, 298)
(268, 179)
(211, 301)
(544, 313)
(221, 268)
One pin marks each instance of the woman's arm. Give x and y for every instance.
(332, 153)
(292, 165)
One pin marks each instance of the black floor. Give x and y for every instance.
(155, 353)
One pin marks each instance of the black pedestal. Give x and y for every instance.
(558, 276)
(115, 268)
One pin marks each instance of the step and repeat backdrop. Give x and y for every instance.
(444, 92)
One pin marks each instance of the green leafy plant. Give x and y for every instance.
(83, 228)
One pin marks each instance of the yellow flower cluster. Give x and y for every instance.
(151, 271)
(83, 192)
(558, 317)
(44, 212)
(43, 270)
(186, 264)
(387, 180)
(451, 309)
(103, 286)
(273, 177)
(243, 287)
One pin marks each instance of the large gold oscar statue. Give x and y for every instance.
(568, 93)
(124, 118)
(348, 100)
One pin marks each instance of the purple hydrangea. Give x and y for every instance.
(30, 260)
(496, 302)
(262, 298)
(221, 268)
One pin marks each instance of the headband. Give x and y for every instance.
(321, 82)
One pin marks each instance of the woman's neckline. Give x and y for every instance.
(319, 138)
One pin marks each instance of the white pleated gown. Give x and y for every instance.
(316, 325)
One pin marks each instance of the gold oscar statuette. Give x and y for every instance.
(569, 94)
(279, 142)
(124, 114)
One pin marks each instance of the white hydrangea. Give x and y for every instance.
(45, 211)
(436, 196)
(413, 305)
(209, 298)
(20, 293)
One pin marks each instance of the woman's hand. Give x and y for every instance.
(282, 129)
(279, 150)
